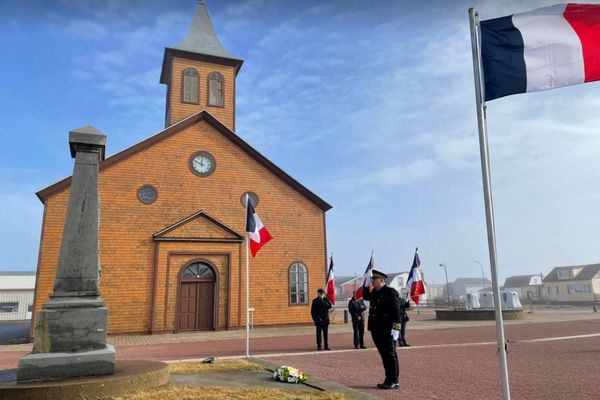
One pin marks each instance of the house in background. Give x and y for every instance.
(397, 280)
(578, 284)
(528, 287)
(345, 286)
(461, 286)
(16, 295)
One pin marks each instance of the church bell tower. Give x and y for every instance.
(200, 74)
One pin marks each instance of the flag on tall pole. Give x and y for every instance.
(415, 280)
(330, 283)
(545, 48)
(366, 279)
(257, 233)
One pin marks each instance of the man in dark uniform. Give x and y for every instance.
(384, 324)
(319, 311)
(357, 309)
(404, 305)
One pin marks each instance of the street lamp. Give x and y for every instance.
(482, 274)
(447, 287)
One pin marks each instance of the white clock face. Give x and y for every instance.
(202, 164)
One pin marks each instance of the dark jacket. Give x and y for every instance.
(384, 309)
(404, 305)
(319, 310)
(356, 308)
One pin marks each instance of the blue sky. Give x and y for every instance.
(368, 104)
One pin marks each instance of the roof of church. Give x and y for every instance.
(201, 37)
(180, 126)
(200, 42)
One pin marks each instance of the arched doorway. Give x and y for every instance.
(196, 298)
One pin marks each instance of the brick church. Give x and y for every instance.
(172, 215)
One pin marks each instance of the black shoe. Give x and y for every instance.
(388, 386)
(319, 348)
(356, 347)
(400, 344)
(362, 347)
(406, 344)
(327, 348)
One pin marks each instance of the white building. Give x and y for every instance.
(16, 295)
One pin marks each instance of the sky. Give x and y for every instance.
(370, 105)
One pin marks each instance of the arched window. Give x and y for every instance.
(191, 86)
(198, 270)
(298, 283)
(216, 89)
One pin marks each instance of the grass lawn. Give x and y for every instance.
(173, 392)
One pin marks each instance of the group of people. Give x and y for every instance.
(387, 323)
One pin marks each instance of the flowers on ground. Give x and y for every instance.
(289, 375)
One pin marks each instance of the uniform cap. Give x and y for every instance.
(378, 274)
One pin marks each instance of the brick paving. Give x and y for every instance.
(447, 360)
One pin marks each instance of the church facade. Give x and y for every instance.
(172, 213)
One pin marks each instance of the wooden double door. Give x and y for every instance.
(196, 300)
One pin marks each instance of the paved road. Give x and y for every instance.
(13, 332)
(547, 360)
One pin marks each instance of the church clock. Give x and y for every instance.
(202, 163)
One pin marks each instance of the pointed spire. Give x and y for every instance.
(201, 37)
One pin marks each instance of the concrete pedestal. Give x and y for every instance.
(46, 366)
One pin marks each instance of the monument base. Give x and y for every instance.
(48, 366)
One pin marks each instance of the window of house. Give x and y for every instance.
(191, 86)
(9, 307)
(30, 308)
(298, 283)
(552, 289)
(216, 88)
(582, 288)
(565, 274)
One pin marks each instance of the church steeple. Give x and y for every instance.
(200, 73)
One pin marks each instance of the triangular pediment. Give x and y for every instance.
(198, 227)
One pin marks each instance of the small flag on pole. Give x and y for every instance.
(366, 279)
(542, 49)
(257, 233)
(415, 282)
(331, 282)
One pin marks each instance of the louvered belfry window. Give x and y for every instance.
(191, 86)
(216, 88)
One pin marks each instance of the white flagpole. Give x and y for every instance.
(247, 287)
(487, 194)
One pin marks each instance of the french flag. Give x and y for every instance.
(331, 282)
(541, 49)
(366, 279)
(415, 281)
(258, 234)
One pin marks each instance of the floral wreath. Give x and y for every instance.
(289, 375)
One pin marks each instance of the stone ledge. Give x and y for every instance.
(476, 315)
(129, 376)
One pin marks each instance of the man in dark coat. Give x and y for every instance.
(404, 305)
(319, 311)
(385, 323)
(357, 309)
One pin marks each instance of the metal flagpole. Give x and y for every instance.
(487, 194)
(247, 286)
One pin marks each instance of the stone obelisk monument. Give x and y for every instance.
(70, 329)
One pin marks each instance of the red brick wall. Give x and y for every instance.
(129, 255)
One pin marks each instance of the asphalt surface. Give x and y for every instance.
(547, 360)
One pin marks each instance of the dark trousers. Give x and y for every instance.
(402, 338)
(359, 332)
(386, 346)
(322, 329)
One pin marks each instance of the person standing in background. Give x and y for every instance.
(404, 305)
(357, 309)
(319, 311)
